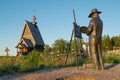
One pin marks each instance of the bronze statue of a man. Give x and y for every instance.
(94, 31)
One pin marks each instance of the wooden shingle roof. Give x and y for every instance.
(34, 32)
(28, 42)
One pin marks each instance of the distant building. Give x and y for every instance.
(85, 46)
(30, 39)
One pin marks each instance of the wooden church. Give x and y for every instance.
(31, 38)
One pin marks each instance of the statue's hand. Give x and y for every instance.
(84, 30)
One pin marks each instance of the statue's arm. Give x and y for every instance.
(90, 27)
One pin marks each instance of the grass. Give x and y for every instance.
(7, 65)
(35, 60)
(111, 58)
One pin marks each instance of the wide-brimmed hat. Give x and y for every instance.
(94, 11)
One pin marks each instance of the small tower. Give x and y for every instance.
(34, 20)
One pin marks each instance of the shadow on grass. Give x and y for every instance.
(110, 66)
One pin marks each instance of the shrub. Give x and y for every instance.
(111, 58)
(30, 62)
(7, 65)
(34, 61)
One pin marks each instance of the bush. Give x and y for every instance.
(111, 58)
(30, 62)
(7, 65)
(34, 61)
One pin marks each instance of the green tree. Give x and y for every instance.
(33, 59)
(59, 46)
(116, 40)
(7, 50)
(47, 49)
(106, 42)
(112, 43)
(78, 44)
(109, 43)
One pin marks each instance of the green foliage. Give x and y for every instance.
(7, 65)
(36, 60)
(30, 62)
(33, 58)
(116, 40)
(106, 42)
(78, 44)
(47, 49)
(59, 46)
(109, 43)
(33, 61)
(111, 58)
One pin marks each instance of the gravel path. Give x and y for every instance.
(112, 72)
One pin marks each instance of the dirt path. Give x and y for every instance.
(112, 72)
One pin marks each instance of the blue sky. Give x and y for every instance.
(54, 18)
